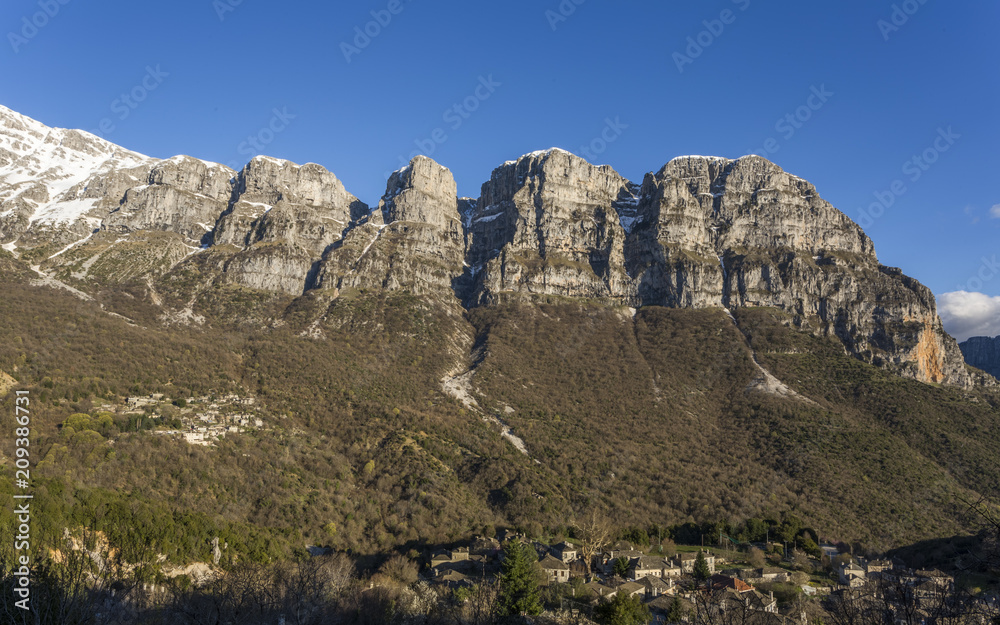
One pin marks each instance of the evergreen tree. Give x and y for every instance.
(622, 610)
(519, 594)
(675, 612)
(701, 570)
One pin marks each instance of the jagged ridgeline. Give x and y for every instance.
(714, 342)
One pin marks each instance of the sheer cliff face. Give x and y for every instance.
(700, 232)
(181, 194)
(284, 217)
(548, 224)
(983, 352)
(716, 232)
(413, 242)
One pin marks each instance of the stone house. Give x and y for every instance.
(606, 560)
(450, 559)
(556, 570)
(566, 552)
(599, 590)
(772, 574)
(685, 561)
(671, 570)
(656, 586)
(851, 575)
(877, 567)
(631, 589)
(645, 566)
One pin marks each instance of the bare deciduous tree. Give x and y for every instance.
(595, 532)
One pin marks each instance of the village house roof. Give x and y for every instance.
(600, 590)
(453, 579)
(631, 588)
(629, 554)
(655, 584)
(549, 564)
(646, 563)
(661, 603)
(725, 581)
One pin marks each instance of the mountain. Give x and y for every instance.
(983, 352)
(712, 344)
(701, 232)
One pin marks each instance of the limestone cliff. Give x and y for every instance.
(983, 352)
(718, 232)
(700, 232)
(414, 241)
(285, 217)
(548, 224)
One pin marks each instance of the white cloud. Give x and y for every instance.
(995, 212)
(966, 314)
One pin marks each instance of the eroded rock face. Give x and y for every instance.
(285, 217)
(716, 232)
(700, 232)
(43, 175)
(182, 195)
(983, 352)
(548, 224)
(413, 242)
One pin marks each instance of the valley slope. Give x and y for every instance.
(712, 344)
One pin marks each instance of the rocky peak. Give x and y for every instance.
(983, 352)
(415, 240)
(546, 224)
(285, 217)
(270, 181)
(43, 175)
(423, 192)
(716, 232)
(195, 175)
(181, 194)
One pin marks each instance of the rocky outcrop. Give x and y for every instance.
(182, 195)
(700, 232)
(547, 224)
(718, 232)
(285, 217)
(414, 242)
(43, 176)
(983, 352)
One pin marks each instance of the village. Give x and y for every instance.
(711, 585)
(196, 420)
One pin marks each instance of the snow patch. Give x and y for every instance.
(72, 245)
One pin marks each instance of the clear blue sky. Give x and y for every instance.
(559, 81)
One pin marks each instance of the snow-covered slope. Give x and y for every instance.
(42, 169)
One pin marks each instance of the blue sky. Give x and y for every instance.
(558, 74)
